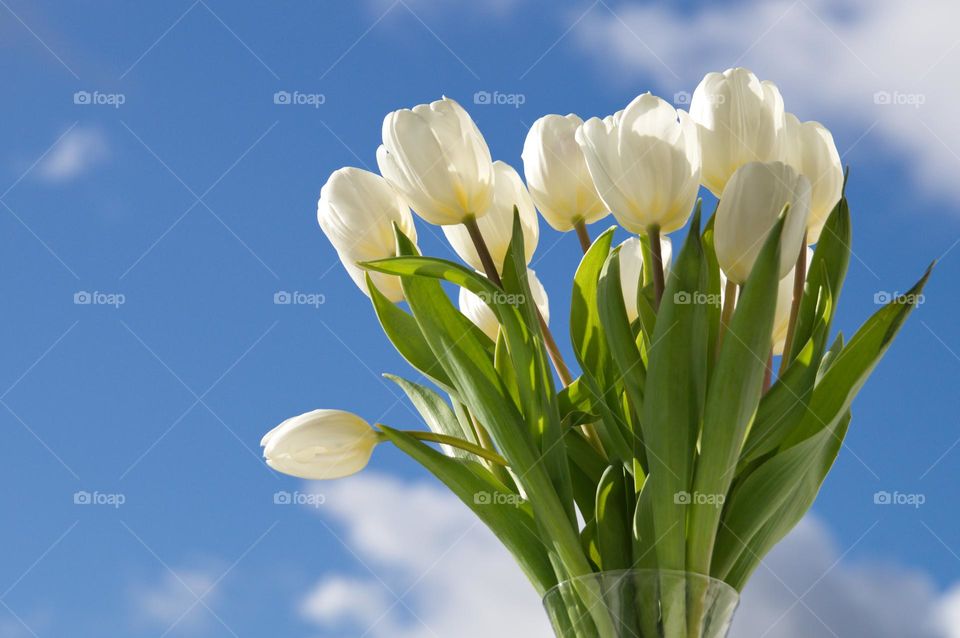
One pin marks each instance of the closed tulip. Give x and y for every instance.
(477, 311)
(645, 163)
(781, 320)
(740, 120)
(496, 225)
(631, 269)
(812, 151)
(557, 173)
(436, 157)
(323, 444)
(357, 211)
(750, 206)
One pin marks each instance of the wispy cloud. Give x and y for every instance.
(171, 601)
(77, 152)
(415, 542)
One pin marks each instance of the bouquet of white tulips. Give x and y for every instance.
(639, 496)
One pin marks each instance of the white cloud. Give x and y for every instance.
(172, 600)
(830, 59)
(414, 540)
(79, 150)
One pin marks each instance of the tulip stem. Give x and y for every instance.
(768, 373)
(799, 279)
(491, 271)
(583, 235)
(653, 232)
(489, 267)
(453, 441)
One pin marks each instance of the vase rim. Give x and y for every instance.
(712, 582)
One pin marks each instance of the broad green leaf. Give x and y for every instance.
(586, 327)
(732, 399)
(509, 518)
(673, 397)
(438, 416)
(613, 520)
(712, 290)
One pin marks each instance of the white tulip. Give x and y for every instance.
(812, 151)
(436, 157)
(781, 321)
(557, 173)
(740, 119)
(477, 311)
(750, 206)
(496, 225)
(631, 269)
(357, 211)
(322, 444)
(645, 163)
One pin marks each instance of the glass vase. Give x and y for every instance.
(641, 603)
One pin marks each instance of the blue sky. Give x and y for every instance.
(146, 165)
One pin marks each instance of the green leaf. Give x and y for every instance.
(613, 520)
(732, 399)
(438, 416)
(501, 510)
(586, 326)
(673, 398)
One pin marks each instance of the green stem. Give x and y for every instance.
(583, 235)
(653, 232)
(453, 441)
(799, 279)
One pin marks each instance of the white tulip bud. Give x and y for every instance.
(740, 119)
(436, 157)
(496, 225)
(557, 173)
(750, 206)
(812, 151)
(781, 320)
(645, 163)
(323, 444)
(477, 311)
(631, 269)
(357, 211)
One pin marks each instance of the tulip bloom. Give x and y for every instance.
(631, 269)
(436, 157)
(477, 310)
(557, 173)
(812, 151)
(750, 206)
(323, 444)
(740, 120)
(645, 164)
(357, 211)
(781, 321)
(496, 225)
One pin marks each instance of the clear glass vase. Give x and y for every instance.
(641, 603)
